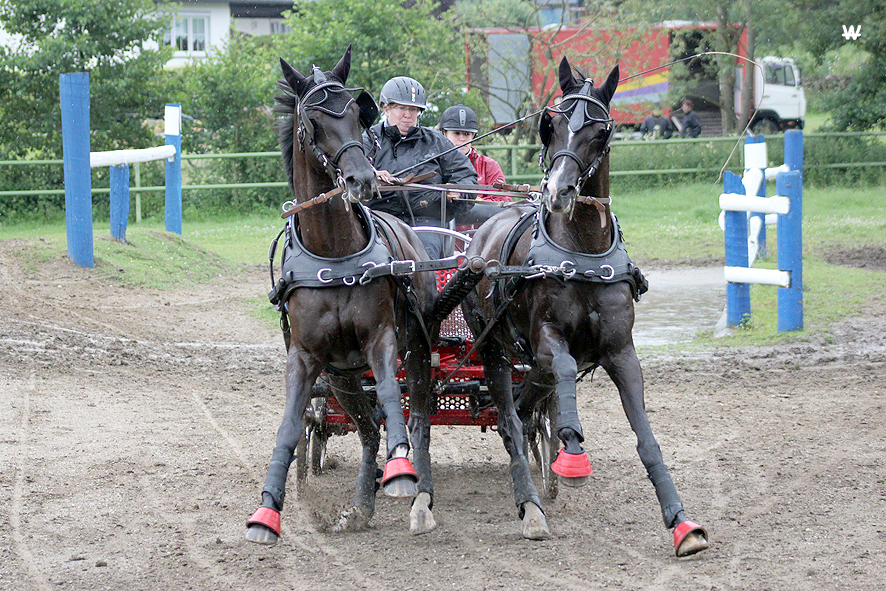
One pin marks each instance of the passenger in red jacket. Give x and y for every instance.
(459, 124)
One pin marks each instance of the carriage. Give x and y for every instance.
(461, 398)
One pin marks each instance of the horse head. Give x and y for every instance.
(325, 121)
(576, 133)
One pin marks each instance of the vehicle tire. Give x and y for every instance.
(301, 460)
(544, 443)
(318, 451)
(320, 436)
(766, 126)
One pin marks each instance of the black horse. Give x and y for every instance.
(342, 313)
(562, 301)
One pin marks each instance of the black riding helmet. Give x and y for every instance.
(459, 118)
(403, 90)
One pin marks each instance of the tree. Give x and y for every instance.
(389, 39)
(105, 39)
(861, 104)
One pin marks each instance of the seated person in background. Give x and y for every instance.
(656, 126)
(403, 143)
(691, 126)
(460, 124)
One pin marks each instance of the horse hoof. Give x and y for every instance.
(535, 526)
(264, 526)
(690, 538)
(399, 478)
(354, 519)
(421, 520)
(260, 534)
(573, 469)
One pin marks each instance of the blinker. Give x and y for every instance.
(577, 119)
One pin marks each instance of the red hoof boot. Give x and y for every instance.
(399, 478)
(690, 538)
(573, 469)
(264, 526)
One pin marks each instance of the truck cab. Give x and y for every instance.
(778, 96)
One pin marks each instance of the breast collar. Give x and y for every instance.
(302, 268)
(606, 267)
(545, 258)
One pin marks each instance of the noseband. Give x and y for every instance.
(334, 100)
(579, 118)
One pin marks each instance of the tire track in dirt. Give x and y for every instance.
(314, 544)
(17, 501)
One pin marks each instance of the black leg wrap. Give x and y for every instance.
(422, 464)
(366, 485)
(524, 489)
(390, 406)
(667, 495)
(565, 368)
(275, 483)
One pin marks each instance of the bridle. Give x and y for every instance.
(579, 118)
(330, 102)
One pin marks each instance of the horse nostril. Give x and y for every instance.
(567, 192)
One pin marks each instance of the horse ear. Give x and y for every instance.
(545, 127)
(368, 109)
(567, 80)
(293, 77)
(343, 67)
(608, 88)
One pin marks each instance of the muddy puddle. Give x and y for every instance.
(679, 304)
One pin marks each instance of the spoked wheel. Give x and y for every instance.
(318, 450)
(301, 462)
(544, 443)
(311, 449)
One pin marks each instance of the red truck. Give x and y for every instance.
(513, 69)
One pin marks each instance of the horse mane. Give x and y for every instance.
(285, 105)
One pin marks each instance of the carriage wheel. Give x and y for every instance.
(318, 450)
(320, 436)
(301, 460)
(546, 444)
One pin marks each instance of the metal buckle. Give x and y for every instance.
(402, 267)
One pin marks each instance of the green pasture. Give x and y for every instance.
(663, 226)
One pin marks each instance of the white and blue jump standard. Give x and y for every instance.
(74, 91)
(745, 235)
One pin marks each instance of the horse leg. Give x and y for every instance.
(399, 476)
(418, 380)
(497, 370)
(624, 370)
(264, 525)
(365, 414)
(572, 463)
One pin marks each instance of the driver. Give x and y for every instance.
(398, 142)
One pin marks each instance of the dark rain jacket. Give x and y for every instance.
(395, 153)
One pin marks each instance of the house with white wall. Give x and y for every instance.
(201, 25)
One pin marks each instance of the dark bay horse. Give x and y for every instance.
(563, 303)
(338, 320)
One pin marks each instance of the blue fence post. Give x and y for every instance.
(790, 251)
(74, 95)
(793, 149)
(173, 204)
(738, 295)
(119, 201)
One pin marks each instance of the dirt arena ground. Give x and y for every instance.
(136, 427)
